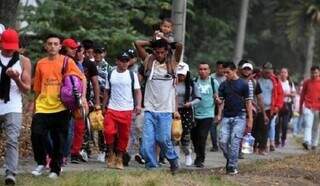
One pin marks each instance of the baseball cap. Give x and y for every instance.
(247, 65)
(124, 56)
(131, 53)
(2, 28)
(98, 48)
(10, 39)
(267, 66)
(70, 43)
(182, 68)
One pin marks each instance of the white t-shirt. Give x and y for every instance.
(121, 98)
(15, 103)
(159, 92)
(287, 89)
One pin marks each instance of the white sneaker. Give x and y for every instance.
(38, 170)
(188, 160)
(101, 157)
(84, 156)
(53, 175)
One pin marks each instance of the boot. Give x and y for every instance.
(111, 161)
(119, 162)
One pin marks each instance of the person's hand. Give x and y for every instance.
(217, 119)
(137, 110)
(187, 105)
(266, 119)
(249, 125)
(176, 115)
(12, 73)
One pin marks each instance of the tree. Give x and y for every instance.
(300, 20)
(8, 12)
(241, 34)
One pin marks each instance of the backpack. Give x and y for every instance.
(211, 81)
(71, 88)
(131, 77)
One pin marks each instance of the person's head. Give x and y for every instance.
(69, 47)
(219, 68)
(246, 70)
(80, 53)
(284, 74)
(132, 55)
(204, 70)
(166, 26)
(98, 53)
(53, 44)
(160, 49)
(315, 72)
(9, 42)
(267, 70)
(182, 70)
(230, 70)
(123, 61)
(88, 49)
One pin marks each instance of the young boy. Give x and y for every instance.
(165, 31)
(122, 97)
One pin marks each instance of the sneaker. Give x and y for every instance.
(232, 171)
(241, 155)
(272, 148)
(84, 156)
(10, 179)
(214, 149)
(198, 163)
(305, 146)
(139, 159)
(101, 157)
(188, 160)
(75, 159)
(38, 170)
(53, 175)
(111, 161)
(174, 166)
(162, 161)
(126, 159)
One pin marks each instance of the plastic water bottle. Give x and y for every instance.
(247, 144)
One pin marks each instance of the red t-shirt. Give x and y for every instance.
(310, 95)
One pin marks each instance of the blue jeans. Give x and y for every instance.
(297, 122)
(68, 144)
(311, 129)
(231, 133)
(157, 129)
(272, 128)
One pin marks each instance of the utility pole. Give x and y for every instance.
(178, 14)
(241, 34)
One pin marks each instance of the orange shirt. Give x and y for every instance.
(47, 81)
(310, 94)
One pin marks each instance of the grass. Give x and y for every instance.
(117, 178)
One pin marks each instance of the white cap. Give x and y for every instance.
(247, 65)
(2, 28)
(182, 68)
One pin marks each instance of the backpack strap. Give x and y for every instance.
(109, 78)
(65, 65)
(212, 85)
(131, 78)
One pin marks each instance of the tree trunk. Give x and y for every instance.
(310, 52)
(179, 9)
(8, 12)
(239, 47)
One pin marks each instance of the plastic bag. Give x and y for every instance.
(96, 119)
(176, 130)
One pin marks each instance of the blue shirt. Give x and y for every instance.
(234, 93)
(205, 108)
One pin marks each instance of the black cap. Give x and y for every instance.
(132, 53)
(124, 56)
(98, 48)
(267, 66)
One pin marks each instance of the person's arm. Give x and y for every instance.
(302, 96)
(249, 112)
(22, 80)
(105, 100)
(177, 53)
(140, 44)
(96, 90)
(137, 101)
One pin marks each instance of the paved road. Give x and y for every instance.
(213, 160)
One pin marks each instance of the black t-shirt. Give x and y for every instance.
(90, 70)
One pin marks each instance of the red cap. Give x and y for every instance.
(10, 39)
(71, 43)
